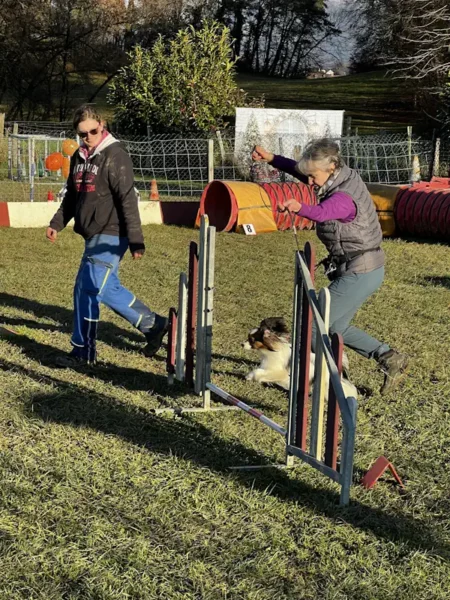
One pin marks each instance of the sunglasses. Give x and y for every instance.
(84, 134)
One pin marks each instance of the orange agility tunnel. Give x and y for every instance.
(235, 205)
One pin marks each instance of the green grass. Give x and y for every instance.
(374, 100)
(102, 499)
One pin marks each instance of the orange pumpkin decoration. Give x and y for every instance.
(66, 167)
(69, 147)
(54, 161)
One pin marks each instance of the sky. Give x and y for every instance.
(338, 48)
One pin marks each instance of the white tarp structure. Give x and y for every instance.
(283, 131)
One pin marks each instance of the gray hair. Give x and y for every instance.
(324, 152)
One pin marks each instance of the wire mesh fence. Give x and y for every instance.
(182, 166)
(179, 166)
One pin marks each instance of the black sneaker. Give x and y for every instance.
(155, 336)
(393, 364)
(72, 361)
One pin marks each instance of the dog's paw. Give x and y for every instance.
(250, 376)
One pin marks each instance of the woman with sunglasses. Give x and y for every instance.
(101, 198)
(348, 226)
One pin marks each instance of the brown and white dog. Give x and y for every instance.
(272, 340)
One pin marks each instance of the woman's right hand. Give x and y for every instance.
(259, 154)
(51, 234)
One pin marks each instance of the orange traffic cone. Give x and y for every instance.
(154, 194)
(50, 196)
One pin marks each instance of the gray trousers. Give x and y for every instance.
(348, 293)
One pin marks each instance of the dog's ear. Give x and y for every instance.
(276, 324)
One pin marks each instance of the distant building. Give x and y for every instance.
(320, 74)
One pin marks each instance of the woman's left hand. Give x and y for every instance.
(137, 255)
(292, 205)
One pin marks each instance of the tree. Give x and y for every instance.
(412, 39)
(277, 37)
(274, 37)
(423, 29)
(374, 39)
(186, 83)
(51, 49)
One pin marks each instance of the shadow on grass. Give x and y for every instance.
(125, 377)
(192, 440)
(436, 280)
(108, 332)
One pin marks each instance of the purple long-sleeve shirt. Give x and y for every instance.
(337, 207)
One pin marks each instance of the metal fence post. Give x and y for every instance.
(15, 145)
(210, 160)
(409, 134)
(31, 167)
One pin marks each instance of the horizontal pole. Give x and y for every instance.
(193, 409)
(246, 408)
(317, 464)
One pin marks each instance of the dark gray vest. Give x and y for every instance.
(362, 234)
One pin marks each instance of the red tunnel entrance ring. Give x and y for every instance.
(219, 203)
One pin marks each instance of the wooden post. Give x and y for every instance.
(2, 125)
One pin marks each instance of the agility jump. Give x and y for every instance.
(190, 333)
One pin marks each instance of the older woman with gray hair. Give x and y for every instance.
(348, 226)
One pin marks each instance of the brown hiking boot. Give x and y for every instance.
(393, 364)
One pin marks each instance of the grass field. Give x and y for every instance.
(374, 100)
(102, 499)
